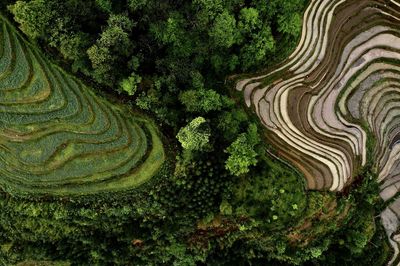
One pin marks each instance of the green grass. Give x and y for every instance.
(57, 137)
(277, 195)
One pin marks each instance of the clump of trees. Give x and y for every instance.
(131, 45)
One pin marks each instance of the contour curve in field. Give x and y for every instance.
(334, 105)
(58, 138)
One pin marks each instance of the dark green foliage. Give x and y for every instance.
(229, 123)
(136, 4)
(112, 48)
(276, 194)
(105, 5)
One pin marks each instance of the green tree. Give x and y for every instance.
(105, 5)
(194, 136)
(129, 85)
(289, 18)
(137, 4)
(254, 52)
(290, 24)
(203, 100)
(111, 49)
(211, 7)
(241, 152)
(224, 32)
(34, 17)
(249, 20)
(172, 33)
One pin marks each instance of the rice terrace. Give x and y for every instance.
(157, 132)
(333, 106)
(57, 137)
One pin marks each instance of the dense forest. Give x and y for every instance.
(222, 196)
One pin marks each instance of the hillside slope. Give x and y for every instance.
(58, 138)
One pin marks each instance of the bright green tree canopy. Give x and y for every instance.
(195, 136)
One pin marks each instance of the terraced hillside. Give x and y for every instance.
(333, 106)
(58, 138)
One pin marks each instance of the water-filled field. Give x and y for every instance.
(334, 106)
